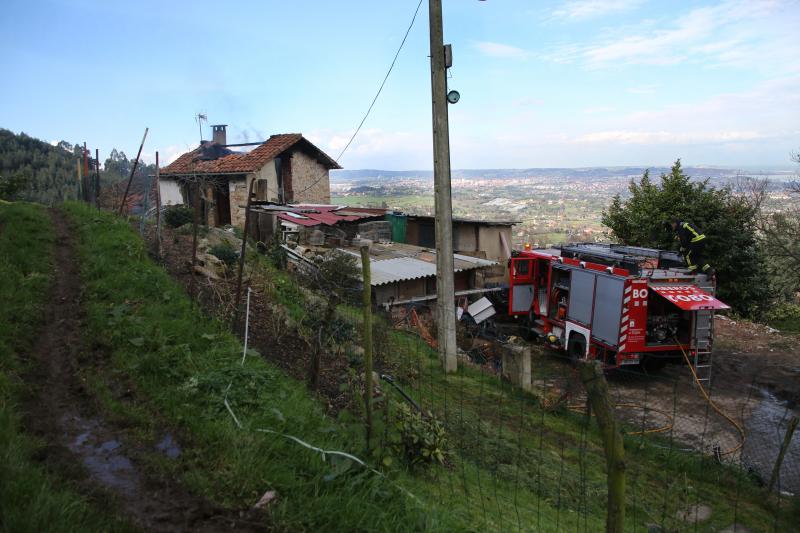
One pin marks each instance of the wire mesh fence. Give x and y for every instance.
(506, 443)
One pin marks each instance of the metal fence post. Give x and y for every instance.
(367, 339)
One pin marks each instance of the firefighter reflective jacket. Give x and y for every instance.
(688, 235)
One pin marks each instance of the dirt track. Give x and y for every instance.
(102, 456)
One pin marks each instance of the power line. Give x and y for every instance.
(375, 99)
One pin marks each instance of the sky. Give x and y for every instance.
(565, 83)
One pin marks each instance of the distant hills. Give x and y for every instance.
(587, 173)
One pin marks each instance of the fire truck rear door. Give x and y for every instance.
(607, 308)
(521, 293)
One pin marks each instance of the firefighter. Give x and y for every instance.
(693, 246)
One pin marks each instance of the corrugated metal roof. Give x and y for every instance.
(396, 269)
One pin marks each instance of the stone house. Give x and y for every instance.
(288, 169)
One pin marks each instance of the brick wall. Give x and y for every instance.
(310, 180)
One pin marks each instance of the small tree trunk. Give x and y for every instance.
(787, 439)
(319, 346)
(597, 390)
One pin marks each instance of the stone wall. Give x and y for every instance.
(310, 180)
(268, 189)
(237, 188)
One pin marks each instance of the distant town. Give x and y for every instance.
(551, 206)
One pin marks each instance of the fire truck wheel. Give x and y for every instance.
(576, 347)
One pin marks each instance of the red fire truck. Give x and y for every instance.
(623, 305)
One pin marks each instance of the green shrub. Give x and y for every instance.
(785, 316)
(422, 438)
(176, 216)
(225, 253)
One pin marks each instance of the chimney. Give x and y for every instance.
(219, 134)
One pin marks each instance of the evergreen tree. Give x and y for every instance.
(41, 172)
(728, 221)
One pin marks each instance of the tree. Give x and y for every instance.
(729, 222)
(36, 170)
(779, 227)
(336, 278)
(12, 183)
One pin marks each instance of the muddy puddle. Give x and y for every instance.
(103, 456)
(766, 428)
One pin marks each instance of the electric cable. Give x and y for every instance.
(374, 99)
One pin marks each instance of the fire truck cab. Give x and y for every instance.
(623, 305)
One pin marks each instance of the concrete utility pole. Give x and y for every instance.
(445, 292)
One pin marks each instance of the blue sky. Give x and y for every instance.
(562, 83)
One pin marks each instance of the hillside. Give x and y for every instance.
(126, 405)
(37, 171)
(46, 173)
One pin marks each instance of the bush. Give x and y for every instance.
(225, 253)
(176, 216)
(785, 316)
(422, 438)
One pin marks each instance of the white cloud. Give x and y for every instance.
(771, 110)
(377, 148)
(168, 154)
(755, 34)
(667, 137)
(597, 110)
(500, 50)
(641, 89)
(585, 9)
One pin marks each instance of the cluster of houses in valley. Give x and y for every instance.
(289, 179)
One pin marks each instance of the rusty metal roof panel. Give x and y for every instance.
(407, 268)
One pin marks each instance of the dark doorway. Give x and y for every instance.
(222, 198)
(427, 235)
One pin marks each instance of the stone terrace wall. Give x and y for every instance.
(308, 173)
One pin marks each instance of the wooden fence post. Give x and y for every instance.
(235, 322)
(367, 339)
(787, 439)
(195, 217)
(158, 208)
(597, 389)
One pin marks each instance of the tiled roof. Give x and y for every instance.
(237, 162)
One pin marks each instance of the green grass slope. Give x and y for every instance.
(31, 498)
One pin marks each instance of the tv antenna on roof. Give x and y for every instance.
(201, 117)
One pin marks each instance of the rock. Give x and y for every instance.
(220, 236)
(208, 259)
(694, 514)
(266, 499)
(735, 528)
(206, 272)
(376, 378)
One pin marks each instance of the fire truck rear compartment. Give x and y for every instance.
(666, 322)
